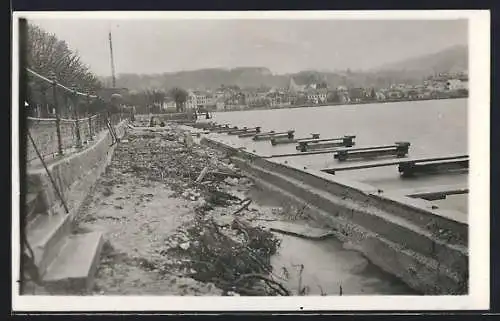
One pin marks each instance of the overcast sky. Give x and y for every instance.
(157, 46)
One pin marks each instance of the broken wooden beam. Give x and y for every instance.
(383, 163)
(313, 152)
(432, 193)
(269, 135)
(286, 140)
(413, 168)
(249, 134)
(306, 144)
(244, 130)
(399, 149)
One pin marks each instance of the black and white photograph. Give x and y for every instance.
(251, 160)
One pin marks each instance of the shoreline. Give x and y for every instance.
(337, 104)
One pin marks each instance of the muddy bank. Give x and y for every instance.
(180, 219)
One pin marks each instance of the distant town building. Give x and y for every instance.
(456, 84)
(169, 105)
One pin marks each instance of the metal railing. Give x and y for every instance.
(44, 132)
(56, 136)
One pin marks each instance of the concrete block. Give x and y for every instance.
(73, 271)
(33, 206)
(46, 237)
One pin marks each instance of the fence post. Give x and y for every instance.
(91, 138)
(56, 107)
(77, 123)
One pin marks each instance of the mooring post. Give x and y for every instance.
(406, 169)
(290, 134)
(342, 155)
(402, 148)
(52, 77)
(257, 129)
(315, 136)
(347, 140)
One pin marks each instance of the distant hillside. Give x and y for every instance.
(203, 78)
(410, 71)
(453, 59)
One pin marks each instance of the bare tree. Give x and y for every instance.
(47, 54)
(180, 96)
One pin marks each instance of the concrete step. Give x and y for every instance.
(46, 235)
(31, 205)
(73, 270)
(34, 205)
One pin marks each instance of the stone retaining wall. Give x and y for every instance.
(78, 171)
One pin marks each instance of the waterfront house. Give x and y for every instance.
(380, 96)
(191, 100)
(356, 94)
(394, 94)
(456, 84)
(219, 104)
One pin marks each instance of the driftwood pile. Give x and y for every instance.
(232, 254)
(235, 257)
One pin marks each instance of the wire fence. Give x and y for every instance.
(57, 136)
(74, 134)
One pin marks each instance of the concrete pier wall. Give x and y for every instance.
(403, 236)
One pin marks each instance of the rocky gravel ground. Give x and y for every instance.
(178, 221)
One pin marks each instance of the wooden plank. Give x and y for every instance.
(433, 167)
(324, 151)
(316, 146)
(270, 136)
(312, 140)
(432, 193)
(302, 231)
(369, 154)
(284, 140)
(248, 134)
(367, 148)
(273, 133)
(391, 162)
(244, 130)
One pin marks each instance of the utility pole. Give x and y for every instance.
(112, 61)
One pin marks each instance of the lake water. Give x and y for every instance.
(434, 128)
